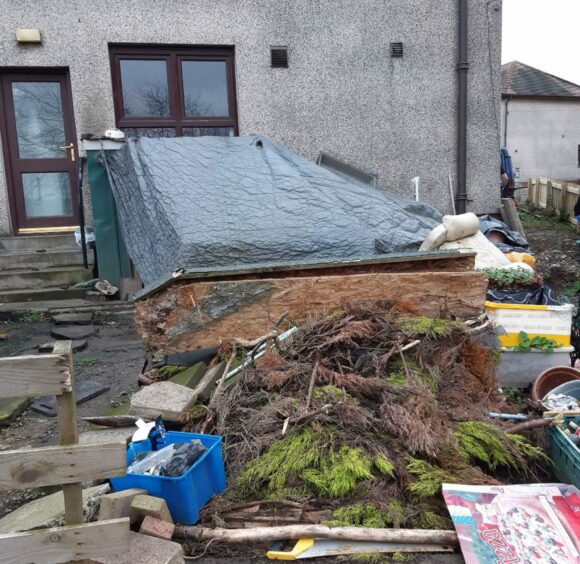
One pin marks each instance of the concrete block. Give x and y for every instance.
(157, 528)
(10, 408)
(143, 505)
(206, 387)
(73, 332)
(118, 504)
(148, 550)
(167, 399)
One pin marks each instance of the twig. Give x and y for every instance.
(324, 409)
(217, 392)
(256, 342)
(480, 327)
(311, 385)
(281, 318)
(410, 345)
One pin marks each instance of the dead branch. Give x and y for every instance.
(324, 409)
(311, 385)
(256, 342)
(534, 424)
(269, 534)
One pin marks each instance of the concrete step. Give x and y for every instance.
(36, 242)
(35, 260)
(46, 278)
(31, 296)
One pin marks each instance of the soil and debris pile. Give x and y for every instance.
(362, 417)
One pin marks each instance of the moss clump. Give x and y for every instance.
(333, 394)
(430, 478)
(429, 520)
(170, 370)
(395, 379)
(431, 326)
(384, 465)
(490, 445)
(339, 472)
(400, 557)
(367, 515)
(336, 314)
(306, 460)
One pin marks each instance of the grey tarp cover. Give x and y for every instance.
(215, 202)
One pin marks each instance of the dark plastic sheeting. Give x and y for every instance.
(214, 202)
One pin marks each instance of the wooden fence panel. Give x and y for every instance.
(64, 544)
(34, 375)
(51, 466)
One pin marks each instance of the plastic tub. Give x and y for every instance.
(552, 322)
(552, 378)
(571, 389)
(186, 494)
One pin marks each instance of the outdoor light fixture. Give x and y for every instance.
(28, 36)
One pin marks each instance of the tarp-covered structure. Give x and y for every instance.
(213, 203)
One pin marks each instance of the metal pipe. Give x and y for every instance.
(462, 68)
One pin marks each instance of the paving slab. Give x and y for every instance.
(148, 550)
(191, 376)
(157, 528)
(167, 399)
(80, 318)
(73, 332)
(49, 511)
(84, 391)
(11, 408)
(77, 346)
(109, 435)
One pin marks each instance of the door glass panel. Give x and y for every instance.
(215, 131)
(205, 88)
(47, 194)
(144, 85)
(39, 120)
(149, 131)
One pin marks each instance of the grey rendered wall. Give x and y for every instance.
(543, 137)
(342, 94)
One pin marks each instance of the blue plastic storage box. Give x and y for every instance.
(187, 494)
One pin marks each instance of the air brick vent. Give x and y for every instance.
(396, 48)
(279, 57)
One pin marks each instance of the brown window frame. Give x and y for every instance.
(173, 55)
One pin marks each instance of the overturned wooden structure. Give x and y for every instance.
(203, 309)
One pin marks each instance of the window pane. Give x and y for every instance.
(201, 131)
(47, 194)
(39, 121)
(149, 131)
(205, 88)
(144, 85)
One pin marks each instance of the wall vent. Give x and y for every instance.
(396, 48)
(279, 57)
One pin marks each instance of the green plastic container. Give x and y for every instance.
(565, 454)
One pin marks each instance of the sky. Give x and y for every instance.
(544, 34)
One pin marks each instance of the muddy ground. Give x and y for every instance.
(553, 243)
(113, 357)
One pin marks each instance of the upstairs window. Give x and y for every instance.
(173, 92)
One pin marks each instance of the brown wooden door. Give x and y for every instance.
(40, 150)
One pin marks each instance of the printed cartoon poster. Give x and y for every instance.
(529, 524)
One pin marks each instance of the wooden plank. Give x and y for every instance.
(34, 375)
(50, 466)
(186, 316)
(511, 213)
(64, 544)
(439, 260)
(68, 435)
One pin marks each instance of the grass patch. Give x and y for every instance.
(90, 360)
(33, 316)
(538, 218)
(430, 478)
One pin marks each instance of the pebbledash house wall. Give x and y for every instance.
(543, 137)
(342, 93)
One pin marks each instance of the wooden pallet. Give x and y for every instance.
(66, 465)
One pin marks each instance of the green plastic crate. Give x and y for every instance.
(565, 454)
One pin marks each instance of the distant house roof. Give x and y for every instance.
(518, 79)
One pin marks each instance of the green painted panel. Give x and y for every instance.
(112, 256)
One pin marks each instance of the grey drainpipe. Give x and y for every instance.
(462, 68)
(505, 122)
